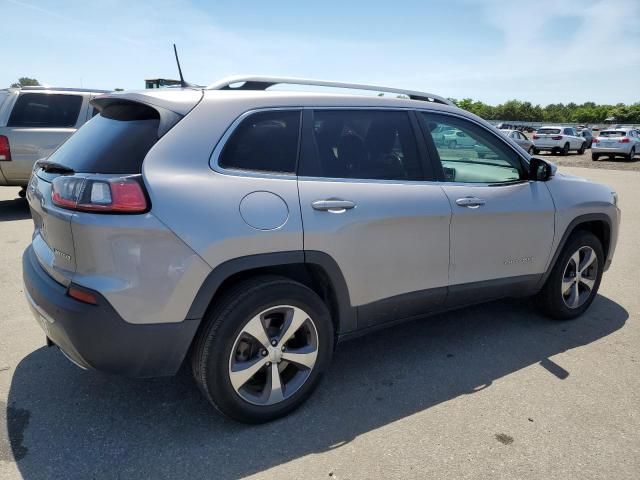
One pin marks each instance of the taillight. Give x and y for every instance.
(108, 195)
(558, 137)
(5, 151)
(536, 137)
(595, 140)
(624, 140)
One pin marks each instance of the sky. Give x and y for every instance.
(543, 51)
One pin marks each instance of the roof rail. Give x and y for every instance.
(252, 82)
(63, 89)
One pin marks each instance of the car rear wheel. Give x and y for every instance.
(631, 154)
(536, 151)
(595, 157)
(565, 150)
(582, 148)
(264, 349)
(574, 281)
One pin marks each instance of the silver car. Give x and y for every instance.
(247, 231)
(623, 142)
(34, 121)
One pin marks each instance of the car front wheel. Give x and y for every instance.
(263, 349)
(574, 281)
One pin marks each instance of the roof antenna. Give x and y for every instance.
(183, 84)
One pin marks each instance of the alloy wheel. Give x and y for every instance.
(273, 355)
(579, 277)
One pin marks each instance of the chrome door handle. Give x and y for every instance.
(470, 202)
(333, 205)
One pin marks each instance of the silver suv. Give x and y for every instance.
(34, 121)
(248, 231)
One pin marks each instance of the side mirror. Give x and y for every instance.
(540, 170)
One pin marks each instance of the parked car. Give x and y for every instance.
(588, 136)
(438, 135)
(558, 140)
(616, 142)
(521, 139)
(518, 137)
(246, 232)
(34, 121)
(454, 138)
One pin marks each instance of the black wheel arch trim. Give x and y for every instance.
(208, 289)
(589, 217)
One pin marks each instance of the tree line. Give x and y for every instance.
(588, 112)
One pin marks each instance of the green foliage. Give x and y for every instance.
(26, 82)
(588, 112)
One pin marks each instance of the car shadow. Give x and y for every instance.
(17, 209)
(63, 422)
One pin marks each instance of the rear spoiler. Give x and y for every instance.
(180, 101)
(171, 108)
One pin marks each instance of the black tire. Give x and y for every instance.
(565, 150)
(595, 157)
(550, 298)
(582, 149)
(631, 154)
(535, 151)
(23, 192)
(211, 354)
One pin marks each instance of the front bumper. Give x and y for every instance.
(96, 337)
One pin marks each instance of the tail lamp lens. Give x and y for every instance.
(5, 151)
(110, 195)
(536, 137)
(558, 137)
(624, 140)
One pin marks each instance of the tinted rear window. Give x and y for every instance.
(264, 141)
(116, 141)
(551, 131)
(45, 110)
(612, 133)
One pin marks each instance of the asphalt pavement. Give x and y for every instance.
(493, 391)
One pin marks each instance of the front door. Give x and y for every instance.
(365, 204)
(503, 224)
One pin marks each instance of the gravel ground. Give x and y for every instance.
(493, 391)
(584, 160)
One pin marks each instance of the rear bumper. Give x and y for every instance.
(611, 150)
(96, 337)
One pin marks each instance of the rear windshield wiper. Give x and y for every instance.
(53, 167)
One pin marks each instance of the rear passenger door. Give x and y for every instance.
(37, 125)
(502, 225)
(365, 203)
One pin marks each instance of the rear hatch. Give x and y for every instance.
(547, 136)
(610, 139)
(96, 172)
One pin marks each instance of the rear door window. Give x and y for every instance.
(363, 144)
(265, 142)
(45, 110)
(116, 141)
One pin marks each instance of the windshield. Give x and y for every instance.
(612, 133)
(551, 131)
